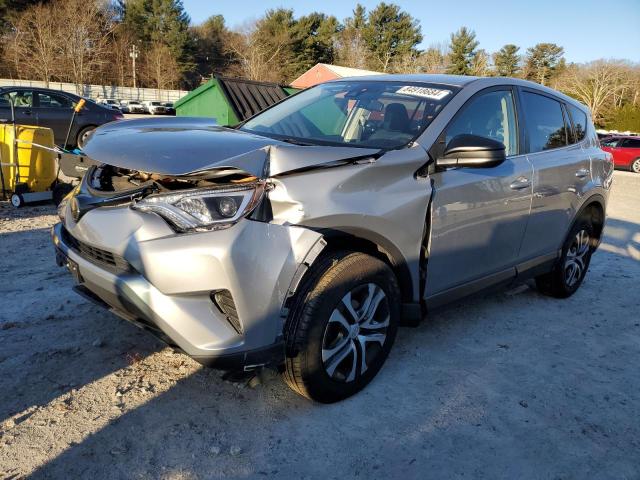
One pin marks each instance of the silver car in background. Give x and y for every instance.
(303, 237)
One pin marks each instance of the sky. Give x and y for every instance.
(587, 29)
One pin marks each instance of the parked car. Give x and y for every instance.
(154, 108)
(110, 102)
(625, 151)
(304, 236)
(54, 109)
(170, 108)
(131, 106)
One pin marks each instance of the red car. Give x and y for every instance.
(625, 151)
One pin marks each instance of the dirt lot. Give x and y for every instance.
(512, 385)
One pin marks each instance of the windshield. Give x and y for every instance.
(355, 113)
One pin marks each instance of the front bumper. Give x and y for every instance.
(134, 264)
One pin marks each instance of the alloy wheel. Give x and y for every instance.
(635, 166)
(356, 333)
(575, 262)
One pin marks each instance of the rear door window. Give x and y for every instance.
(610, 142)
(631, 143)
(545, 124)
(579, 123)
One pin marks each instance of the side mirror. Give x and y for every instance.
(472, 151)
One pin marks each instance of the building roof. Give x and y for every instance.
(348, 71)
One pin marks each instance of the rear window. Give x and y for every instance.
(579, 123)
(545, 124)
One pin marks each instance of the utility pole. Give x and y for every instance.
(134, 54)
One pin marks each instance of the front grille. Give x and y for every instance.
(107, 260)
(224, 302)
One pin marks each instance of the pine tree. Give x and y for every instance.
(390, 33)
(543, 61)
(463, 49)
(161, 22)
(312, 42)
(506, 61)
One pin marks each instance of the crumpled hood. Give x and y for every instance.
(181, 146)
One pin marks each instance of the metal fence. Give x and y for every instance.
(102, 91)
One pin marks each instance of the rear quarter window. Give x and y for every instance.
(545, 125)
(579, 119)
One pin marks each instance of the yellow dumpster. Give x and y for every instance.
(28, 165)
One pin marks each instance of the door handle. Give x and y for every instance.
(520, 183)
(582, 173)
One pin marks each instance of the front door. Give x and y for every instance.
(479, 215)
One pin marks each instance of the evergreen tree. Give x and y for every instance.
(351, 49)
(506, 61)
(161, 22)
(543, 61)
(462, 52)
(312, 42)
(390, 33)
(211, 53)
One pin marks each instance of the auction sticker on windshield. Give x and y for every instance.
(424, 92)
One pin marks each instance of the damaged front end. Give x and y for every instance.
(195, 202)
(189, 278)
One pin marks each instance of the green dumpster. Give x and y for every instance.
(231, 100)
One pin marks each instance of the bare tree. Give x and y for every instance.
(597, 85)
(34, 47)
(257, 57)
(480, 64)
(434, 58)
(160, 68)
(85, 43)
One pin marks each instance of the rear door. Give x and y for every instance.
(561, 173)
(55, 112)
(479, 215)
(23, 102)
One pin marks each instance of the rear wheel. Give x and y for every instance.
(570, 270)
(83, 135)
(635, 165)
(341, 327)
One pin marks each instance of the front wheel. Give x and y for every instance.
(341, 327)
(571, 268)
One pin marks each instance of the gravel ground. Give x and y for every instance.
(510, 385)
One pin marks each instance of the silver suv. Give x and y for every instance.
(303, 237)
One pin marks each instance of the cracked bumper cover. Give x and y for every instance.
(167, 287)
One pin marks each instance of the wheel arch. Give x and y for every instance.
(593, 208)
(361, 242)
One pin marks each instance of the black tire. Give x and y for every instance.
(308, 331)
(17, 200)
(635, 166)
(80, 140)
(560, 282)
(60, 191)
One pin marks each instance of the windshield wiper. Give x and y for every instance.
(295, 141)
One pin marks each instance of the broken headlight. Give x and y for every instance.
(203, 208)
